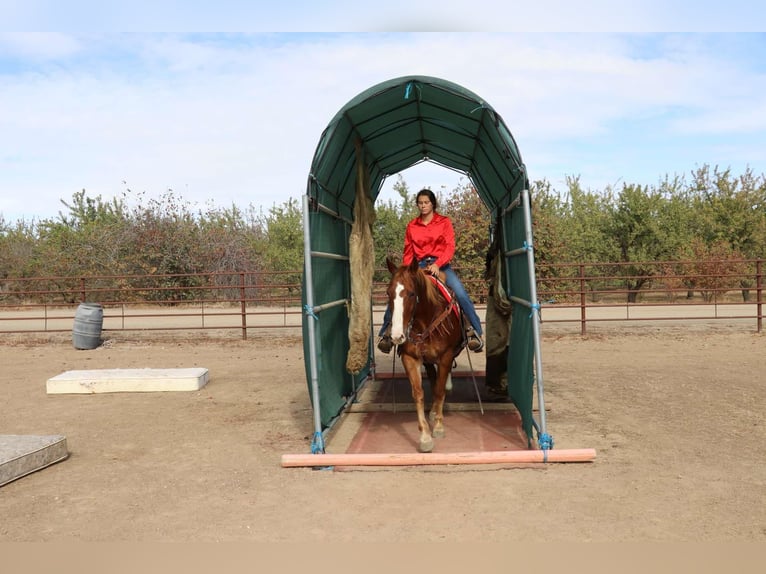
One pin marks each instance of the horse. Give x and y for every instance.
(427, 328)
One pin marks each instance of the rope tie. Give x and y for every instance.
(532, 308)
(317, 445)
(308, 311)
(408, 89)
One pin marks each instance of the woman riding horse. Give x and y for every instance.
(430, 239)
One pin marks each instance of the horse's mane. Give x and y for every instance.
(430, 292)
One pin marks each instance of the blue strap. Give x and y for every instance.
(317, 445)
(534, 307)
(545, 441)
(310, 312)
(408, 89)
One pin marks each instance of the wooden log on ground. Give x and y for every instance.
(436, 458)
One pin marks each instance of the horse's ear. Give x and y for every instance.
(391, 265)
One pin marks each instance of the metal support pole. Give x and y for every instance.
(583, 327)
(317, 444)
(546, 442)
(243, 305)
(759, 294)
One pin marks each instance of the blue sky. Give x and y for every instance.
(228, 116)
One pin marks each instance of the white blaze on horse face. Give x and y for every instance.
(397, 316)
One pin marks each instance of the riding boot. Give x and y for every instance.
(475, 341)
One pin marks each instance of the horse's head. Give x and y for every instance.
(403, 289)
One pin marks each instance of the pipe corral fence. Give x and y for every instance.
(578, 295)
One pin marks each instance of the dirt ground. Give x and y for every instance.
(676, 415)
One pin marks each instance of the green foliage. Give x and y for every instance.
(471, 221)
(717, 214)
(549, 225)
(731, 209)
(284, 237)
(388, 229)
(17, 245)
(391, 218)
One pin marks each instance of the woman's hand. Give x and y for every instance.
(433, 269)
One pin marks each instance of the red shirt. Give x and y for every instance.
(436, 238)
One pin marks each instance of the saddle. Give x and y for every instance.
(447, 294)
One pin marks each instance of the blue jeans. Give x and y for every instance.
(453, 282)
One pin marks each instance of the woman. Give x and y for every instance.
(430, 239)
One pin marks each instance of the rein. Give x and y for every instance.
(419, 338)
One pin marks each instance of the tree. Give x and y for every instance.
(284, 237)
(391, 218)
(732, 211)
(17, 247)
(471, 222)
(548, 223)
(639, 225)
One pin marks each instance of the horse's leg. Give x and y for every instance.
(431, 372)
(412, 368)
(439, 391)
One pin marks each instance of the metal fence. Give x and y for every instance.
(653, 290)
(578, 295)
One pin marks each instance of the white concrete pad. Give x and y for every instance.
(127, 381)
(23, 454)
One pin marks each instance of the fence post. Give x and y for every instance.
(243, 305)
(759, 293)
(82, 290)
(583, 328)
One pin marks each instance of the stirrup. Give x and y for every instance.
(475, 342)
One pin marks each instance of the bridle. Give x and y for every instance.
(436, 325)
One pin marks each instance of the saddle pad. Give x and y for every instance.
(447, 295)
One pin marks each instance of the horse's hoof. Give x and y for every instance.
(438, 433)
(426, 446)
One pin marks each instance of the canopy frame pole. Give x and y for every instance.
(317, 443)
(545, 440)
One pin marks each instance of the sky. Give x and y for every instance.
(226, 107)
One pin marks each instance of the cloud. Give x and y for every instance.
(38, 46)
(235, 118)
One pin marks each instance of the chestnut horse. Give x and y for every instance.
(428, 329)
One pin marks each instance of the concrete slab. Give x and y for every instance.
(128, 380)
(23, 454)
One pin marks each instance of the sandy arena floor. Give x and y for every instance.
(676, 415)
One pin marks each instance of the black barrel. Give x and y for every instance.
(88, 321)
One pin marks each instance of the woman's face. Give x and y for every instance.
(424, 205)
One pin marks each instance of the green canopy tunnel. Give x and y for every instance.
(383, 131)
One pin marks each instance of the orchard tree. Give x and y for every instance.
(471, 221)
(732, 211)
(391, 218)
(638, 224)
(586, 226)
(18, 242)
(284, 237)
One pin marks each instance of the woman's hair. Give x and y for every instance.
(428, 193)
